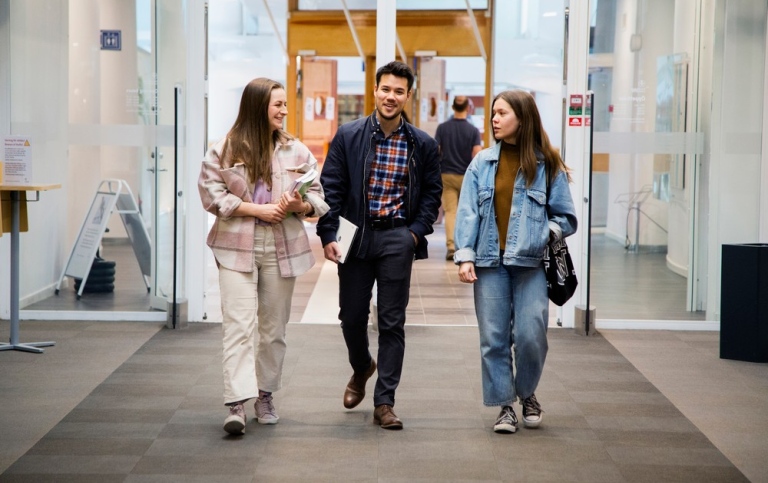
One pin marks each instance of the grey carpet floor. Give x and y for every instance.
(158, 418)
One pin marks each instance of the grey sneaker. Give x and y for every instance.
(265, 409)
(235, 422)
(507, 421)
(532, 412)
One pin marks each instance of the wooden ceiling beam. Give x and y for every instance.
(449, 33)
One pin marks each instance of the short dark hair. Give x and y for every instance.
(460, 106)
(397, 69)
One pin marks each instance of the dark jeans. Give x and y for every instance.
(389, 261)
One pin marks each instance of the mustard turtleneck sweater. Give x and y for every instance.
(509, 165)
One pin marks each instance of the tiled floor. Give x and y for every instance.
(135, 402)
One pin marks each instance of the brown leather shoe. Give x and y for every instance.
(355, 391)
(386, 418)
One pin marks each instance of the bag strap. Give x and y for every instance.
(546, 172)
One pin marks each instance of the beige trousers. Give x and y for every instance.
(450, 200)
(261, 295)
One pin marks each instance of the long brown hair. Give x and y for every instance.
(531, 136)
(251, 140)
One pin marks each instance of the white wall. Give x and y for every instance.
(38, 83)
(5, 129)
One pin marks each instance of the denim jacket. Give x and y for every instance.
(530, 220)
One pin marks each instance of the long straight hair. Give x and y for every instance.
(531, 136)
(251, 140)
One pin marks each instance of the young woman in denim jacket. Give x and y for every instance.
(259, 242)
(503, 223)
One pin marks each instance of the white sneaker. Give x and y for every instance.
(265, 409)
(235, 422)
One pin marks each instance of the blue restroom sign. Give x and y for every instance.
(110, 40)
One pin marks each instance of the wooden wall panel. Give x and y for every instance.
(294, 106)
(431, 95)
(448, 33)
(319, 118)
(370, 83)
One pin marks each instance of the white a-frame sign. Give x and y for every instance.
(110, 194)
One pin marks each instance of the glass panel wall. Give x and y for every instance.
(170, 72)
(528, 54)
(645, 146)
(528, 48)
(737, 164)
(93, 84)
(242, 45)
(245, 40)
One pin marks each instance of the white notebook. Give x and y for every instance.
(344, 237)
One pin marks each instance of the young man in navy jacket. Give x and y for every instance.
(382, 174)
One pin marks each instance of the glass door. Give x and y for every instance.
(124, 65)
(529, 54)
(645, 149)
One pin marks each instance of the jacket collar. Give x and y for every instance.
(495, 153)
(285, 144)
(376, 125)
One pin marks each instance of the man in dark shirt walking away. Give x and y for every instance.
(383, 175)
(459, 142)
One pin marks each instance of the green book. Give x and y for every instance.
(303, 182)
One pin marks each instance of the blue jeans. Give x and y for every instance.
(388, 263)
(512, 310)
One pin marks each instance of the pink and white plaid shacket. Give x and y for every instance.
(231, 237)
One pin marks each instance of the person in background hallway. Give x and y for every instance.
(383, 175)
(259, 242)
(459, 142)
(504, 221)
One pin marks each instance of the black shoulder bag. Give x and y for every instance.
(558, 267)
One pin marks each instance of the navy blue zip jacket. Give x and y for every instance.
(345, 173)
